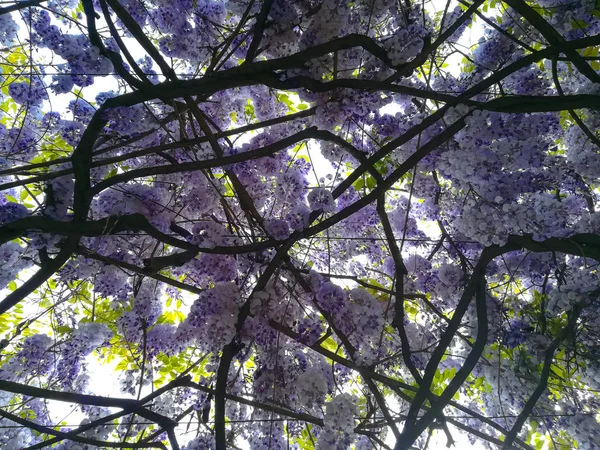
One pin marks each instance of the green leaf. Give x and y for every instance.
(122, 365)
(358, 184)
(330, 344)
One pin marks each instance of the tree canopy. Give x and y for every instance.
(278, 224)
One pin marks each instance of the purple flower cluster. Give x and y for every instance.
(204, 146)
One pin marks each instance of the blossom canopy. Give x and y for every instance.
(300, 224)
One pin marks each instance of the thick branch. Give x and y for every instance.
(265, 151)
(553, 37)
(20, 5)
(170, 281)
(543, 383)
(410, 431)
(259, 29)
(395, 384)
(75, 438)
(457, 381)
(84, 399)
(93, 424)
(49, 268)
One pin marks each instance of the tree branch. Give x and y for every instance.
(543, 383)
(259, 29)
(74, 438)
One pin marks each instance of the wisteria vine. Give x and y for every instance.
(299, 224)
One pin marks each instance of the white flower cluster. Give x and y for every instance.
(321, 199)
(586, 431)
(12, 263)
(198, 195)
(169, 404)
(90, 335)
(404, 44)
(272, 303)
(16, 439)
(450, 274)
(326, 25)
(563, 300)
(567, 295)
(504, 382)
(340, 412)
(582, 153)
(589, 223)
(213, 317)
(484, 223)
(339, 423)
(8, 30)
(311, 387)
(201, 442)
(366, 315)
(208, 234)
(100, 433)
(416, 334)
(456, 112)
(539, 214)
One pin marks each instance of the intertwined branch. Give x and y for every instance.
(426, 408)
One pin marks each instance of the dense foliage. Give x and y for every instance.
(282, 224)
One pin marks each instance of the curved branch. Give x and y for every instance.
(553, 37)
(49, 268)
(71, 437)
(259, 29)
(136, 154)
(20, 5)
(265, 151)
(96, 41)
(170, 281)
(93, 424)
(545, 374)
